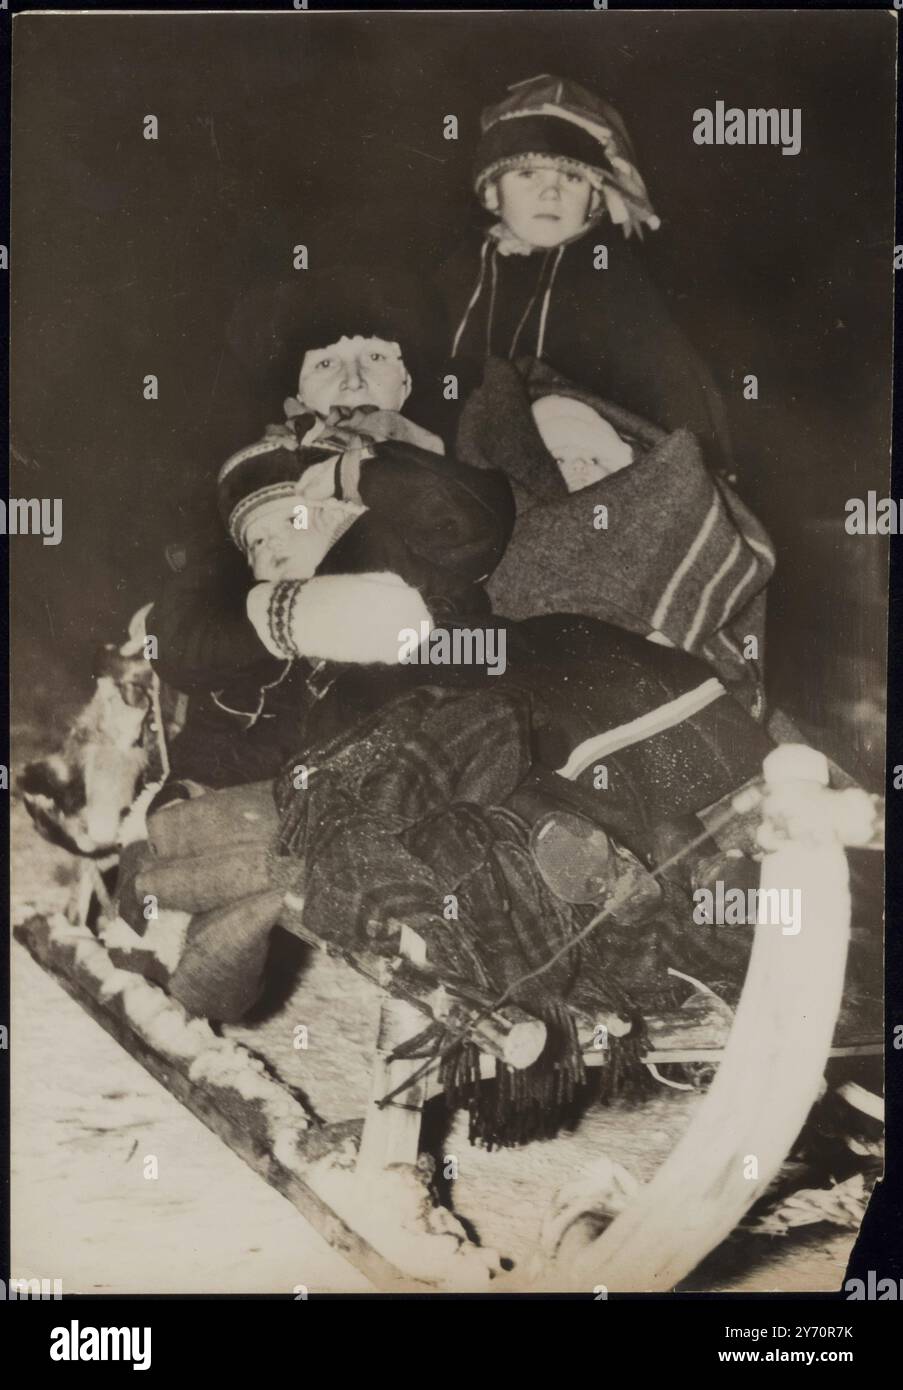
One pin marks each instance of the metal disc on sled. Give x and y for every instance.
(573, 855)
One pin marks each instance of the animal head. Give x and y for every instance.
(77, 798)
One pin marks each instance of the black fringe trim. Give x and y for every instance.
(516, 1107)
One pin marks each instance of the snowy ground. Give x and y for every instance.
(86, 1117)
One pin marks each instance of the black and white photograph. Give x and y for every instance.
(449, 524)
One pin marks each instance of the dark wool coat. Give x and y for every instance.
(440, 526)
(608, 331)
(671, 739)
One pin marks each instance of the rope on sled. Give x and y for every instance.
(521, 1105)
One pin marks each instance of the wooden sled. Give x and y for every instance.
(365, 1186)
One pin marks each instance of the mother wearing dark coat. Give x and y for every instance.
(256, 696)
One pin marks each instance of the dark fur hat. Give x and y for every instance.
(273, 327)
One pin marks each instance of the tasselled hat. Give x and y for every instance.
(557, 122)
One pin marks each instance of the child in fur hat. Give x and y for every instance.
(556, 169)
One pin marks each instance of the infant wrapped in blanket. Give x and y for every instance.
(583, 444)
(630, 527)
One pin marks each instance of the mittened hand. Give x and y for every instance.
(351, 618)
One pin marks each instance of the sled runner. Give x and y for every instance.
(368, 1187)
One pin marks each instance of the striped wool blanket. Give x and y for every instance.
(675, 555)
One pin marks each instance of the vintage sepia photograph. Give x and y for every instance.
(449, 533)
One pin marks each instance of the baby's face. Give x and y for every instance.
(543, 205)
(579, 470)
(585, 446)
(353, 372)
(288, 539)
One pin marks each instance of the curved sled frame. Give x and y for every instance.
(772, 1068)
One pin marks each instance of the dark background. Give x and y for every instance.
(129, 256)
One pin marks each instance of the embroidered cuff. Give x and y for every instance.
(352, 618)
(280, 615)
(271, 609)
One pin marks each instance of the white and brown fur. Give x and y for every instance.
(90, 797)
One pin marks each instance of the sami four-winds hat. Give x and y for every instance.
(558, 121)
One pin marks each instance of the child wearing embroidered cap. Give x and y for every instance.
(283, 515)
(558, 127)
(556, 168)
